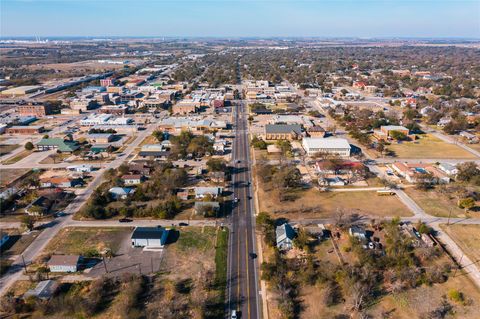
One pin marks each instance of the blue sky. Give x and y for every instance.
(233, 18)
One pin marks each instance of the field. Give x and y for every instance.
(467, 237)
(9, 175)
(5, 149)
(16, 158)
(312, 203)
(428, 147)
(84, 241)
(435, 204)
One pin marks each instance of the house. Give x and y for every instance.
(206, 208)
(284, 236)
(448, 168)
(59, 181)
(132, 179)
(44, 290)
(150, 237)
(331, 181)
(283, 131)
(83, 168)
(202, 192)
(413, 171)
(185, 107)
(64, 263)
(339, 146)
(139, 168)
(121, 192)
(64, 146)
(358, 232)
(471, 138)
(182, 194)
(385, 132)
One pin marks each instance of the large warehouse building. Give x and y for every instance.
(339, 146)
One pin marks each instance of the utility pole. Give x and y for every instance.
(104, 264)
(151, 263)
(449, 214)
(24, 265)
(459, 266)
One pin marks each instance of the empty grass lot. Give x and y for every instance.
(428, 147)
(16, 158)
(85, 241)
(312, 203)
(434, 203)
(467, 237)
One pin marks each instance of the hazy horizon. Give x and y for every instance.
(241, 19)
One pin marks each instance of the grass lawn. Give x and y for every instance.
(16, 158)
(83, 240)
(7, 148)
(11, 174)
(201, 239)
(18, 242)
(428, 146)
(312, 203)
(434, 203)
(467, 237)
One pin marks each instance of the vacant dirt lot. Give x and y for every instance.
(312, 203)
(467, 237)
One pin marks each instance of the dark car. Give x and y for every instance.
(253, 255)
(125, 220)
(182, 224)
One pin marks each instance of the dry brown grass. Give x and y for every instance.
(312, 203)
(467, 237)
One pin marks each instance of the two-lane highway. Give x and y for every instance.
(242, 279)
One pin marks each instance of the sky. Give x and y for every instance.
(241, 18)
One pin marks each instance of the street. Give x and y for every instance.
(242, 267)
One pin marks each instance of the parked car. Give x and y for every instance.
(125, 220)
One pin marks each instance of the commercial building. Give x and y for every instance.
(39, 110)
(386, 131)
(83, 104)
(338, 146)
(283, 131)
(59, 144)
(184, 108)
(100, 138)
(150, 237)
(25, 130)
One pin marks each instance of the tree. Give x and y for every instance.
(284, 146)
(158, 135)
(216, 165)
(467, 171)
(399, 136)
(466, 203)
(29, 146)
(28, 222)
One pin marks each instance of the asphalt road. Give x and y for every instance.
(242, 267)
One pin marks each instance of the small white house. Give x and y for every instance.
(285, 235)
(448, 168)
(121, 192)
(64, 263)
(201, 192)
(84, 168)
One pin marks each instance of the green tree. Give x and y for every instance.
(28, 222)
(216, 165)
(29, 146)
(466, 203)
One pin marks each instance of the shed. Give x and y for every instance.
(64, 263)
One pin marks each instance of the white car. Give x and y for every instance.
(234, 314)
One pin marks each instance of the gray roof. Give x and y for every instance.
(283, 128)
(43, 290)
(285, 231)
